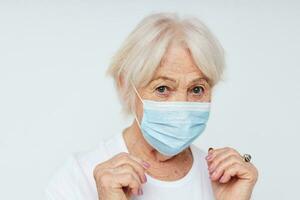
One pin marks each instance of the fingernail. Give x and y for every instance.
(140, 191)
(208, 157)
(137, 192)
(211, 169)
(214, 173)
(146, 165)
(222, 179)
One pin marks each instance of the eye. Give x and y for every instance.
(198, 90)
(162, 89)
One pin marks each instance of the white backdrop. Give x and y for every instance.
(55, 98)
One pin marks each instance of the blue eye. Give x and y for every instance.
(198, 90)
(161, 89)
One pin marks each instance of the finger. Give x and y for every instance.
(222, 165)
(228, 174)
(213, 152)
(145, 164)
(126, 169)
(127, 180)
(217, 157)
(235, 169)
(127, 159)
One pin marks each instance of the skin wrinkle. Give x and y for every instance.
(192, 52)
(179, 66)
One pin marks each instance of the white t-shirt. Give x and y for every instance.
(75, 181)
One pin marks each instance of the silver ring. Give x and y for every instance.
(247, 157)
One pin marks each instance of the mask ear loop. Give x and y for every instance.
(135, 116)
(137, 92)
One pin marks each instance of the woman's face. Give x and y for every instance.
(176, 79)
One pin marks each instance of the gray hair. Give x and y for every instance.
(144, 48)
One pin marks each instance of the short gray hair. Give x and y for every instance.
(144, 48)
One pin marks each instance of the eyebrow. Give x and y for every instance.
(199, 79)
(173, 80)
(164, 78)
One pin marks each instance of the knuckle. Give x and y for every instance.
(235, 165)
(128, 167)
(255, 170)
(141, 170)
(139, 173)
(121, 155)
(139, 167)
(235, 153)
(135, 184)
(130, 177)
(217, 170)
(124, 157)
(255, 175)
(213, 163)
(104, 178)
(95, 173)
(227, 148)
(226, 173)
(222, 162)
(121, 159)
(234, 157)
(218, 160)
(232, 150)
(97, 170)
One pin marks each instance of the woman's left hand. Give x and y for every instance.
(231, 176)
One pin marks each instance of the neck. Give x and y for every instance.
(162, 167)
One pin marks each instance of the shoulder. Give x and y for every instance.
(74, 179)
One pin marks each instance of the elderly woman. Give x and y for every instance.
(165, 73)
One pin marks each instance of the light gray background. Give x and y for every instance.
(55, 98)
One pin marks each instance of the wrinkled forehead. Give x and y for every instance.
(178, 63)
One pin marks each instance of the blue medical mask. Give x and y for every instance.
(171, 126)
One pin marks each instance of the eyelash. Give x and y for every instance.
(168, 89)
(162, 86)
(201, 93)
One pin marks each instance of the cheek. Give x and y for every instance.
(207, 96)
(145, 94)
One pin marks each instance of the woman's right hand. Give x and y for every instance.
(120, 177)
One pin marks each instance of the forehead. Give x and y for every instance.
(178, 61)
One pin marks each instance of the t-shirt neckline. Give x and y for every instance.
(158, 182)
